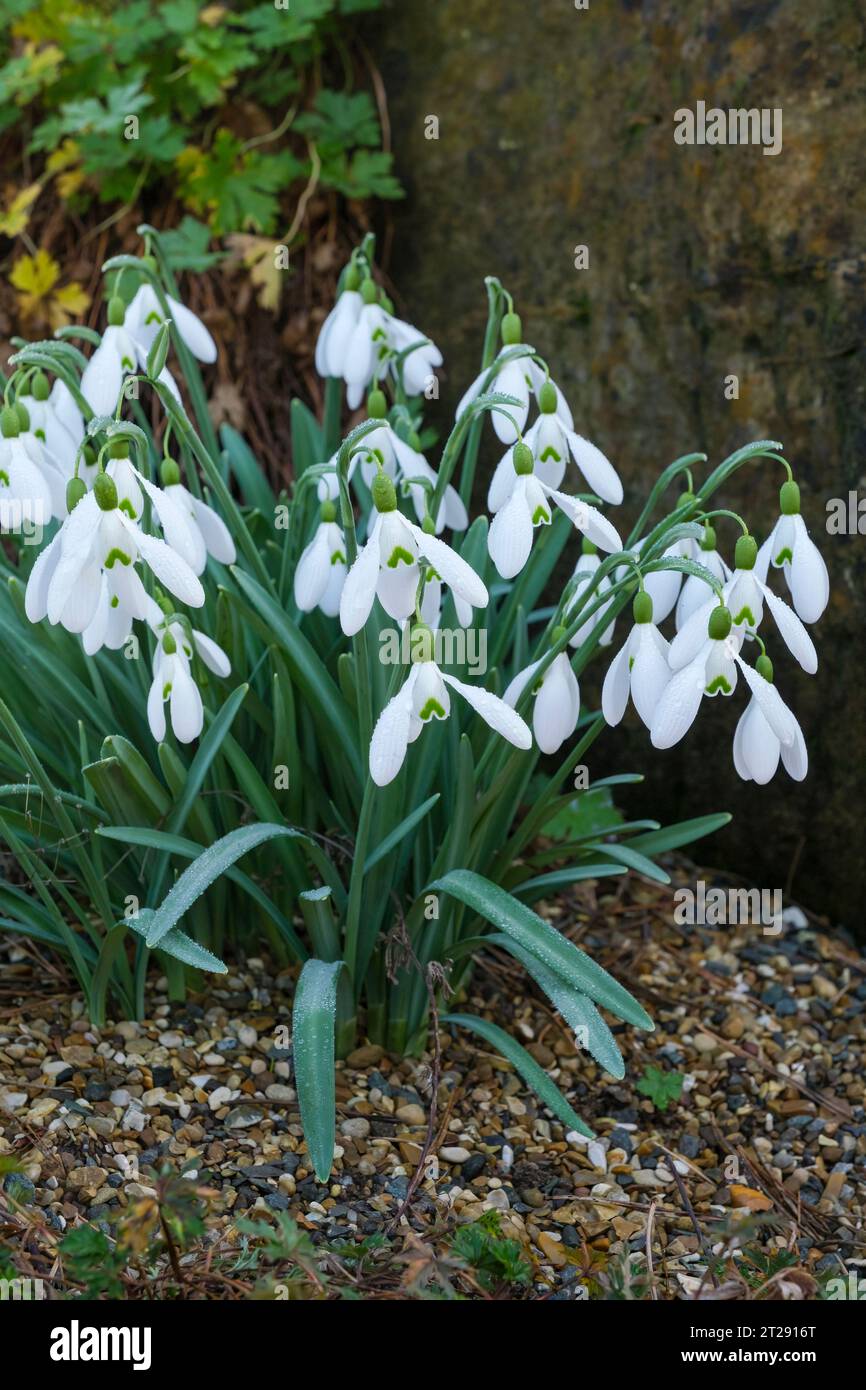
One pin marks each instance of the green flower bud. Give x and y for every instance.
(428, 525)
(23, 416)
(789, 498)
(88, 454)
(720, 623)
(547, 399)
(764, 667)
(105, 492)
(642, 608)
(169, 646)
(150, 263)
(512, 329)
(40, 387)
(421, 643)
(169, 473)
(75, 490)
(369, 291)
(116, 311)
(588, 547)
(684, 497)
(118, 449)
(708, 539)
(386, 303)
(523, 460)
(384, 493)
(377, 406)
(352, 278)
(558, 633)
(156, 357)
(9, 422)
(328, 510)
(745, 553)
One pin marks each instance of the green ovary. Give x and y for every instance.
(398, 554)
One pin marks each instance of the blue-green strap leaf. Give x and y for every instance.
(313, 1023)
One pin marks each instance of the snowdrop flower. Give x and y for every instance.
(336, 331)
(387, 566)
(383, 448)
(766, 730)
(639, 669)
(552, 438)
(693, 594)
(144, 318)
(321, 570)
(210, 535)
(712, 671)
(790, 548)
(585, 568)
(745, 595)
(31, 490)
(510, 537)
(517, 376)
(425, 697)
(59, 443)
(99, 538)
(556, 705)
(119, 354)
(172, 677)
(431, 603)
(420, 361)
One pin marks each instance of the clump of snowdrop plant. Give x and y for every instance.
(371, 698)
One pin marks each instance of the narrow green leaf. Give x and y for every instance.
(399, 832)
(535, 1078)
(313, 1023)
(682, 833)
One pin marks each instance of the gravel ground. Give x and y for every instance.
(747, 1181)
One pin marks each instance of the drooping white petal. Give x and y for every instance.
(678, 704)
(511, 381)
(509, 540)
(502, 483)
(391, 735)
(740, 763)
(36, 593)
(156, 707)
(451, 567)
(557, 706)
(759, 746)
(691, 636)
(396, 589)
(193, 332)
(807, 575)
(795, 758)
(792, 632)
(179, 533)
(501, 717)
(172, 572)
(359, 590)
(212, 654)
(216, 535)
(78, 536)
(516, 687)
(82, 599)
(650, 671)
(187, 714)
(614, 691)
(598, 471)
(589, 520)
(313, 571)
(103, 376)
(767, 698)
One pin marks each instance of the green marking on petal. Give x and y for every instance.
(432, 710)
(398, 554)
(746, 616)
(114, 601)
(550, 453)
(785, 556)
(153, 317)
(40, 434)
(630, 662)
(338, 558)
(719, 683)
(125, 362)
(541, 516)
(113, 555)
(166, 690)
(4, 478)
(126, 506)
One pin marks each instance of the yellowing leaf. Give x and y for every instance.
(259, 255)
(70, 182)
(67, 153)
(211, 15)
(16, 216)
(67, 303)
(35, 275)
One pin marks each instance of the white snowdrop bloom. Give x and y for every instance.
(744, 595)
(551, 439)
(338, 328)
(387, 565)
(367, 348)
(383, 448)
(321, 570)
(639, 669)
(98, 537)
(173, 682)
(65, 409)
(431, 604)
(510, 537)
(58, 441)
(767, 730)
(31, 489)
(711, 671)
(144, 318)
(419, 364)
(790, 548)
(693, 594)
(584, 570)
(120, 354)
(556, 706)
(424, 697)
(209, 532)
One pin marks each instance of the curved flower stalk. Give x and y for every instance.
(387, 566)
(321, 570)
(173, 683)
(526, 506)
(424, 697)
(361, 340)
(383, 449)
(693, 594)
(789, 547)
(517, 375)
